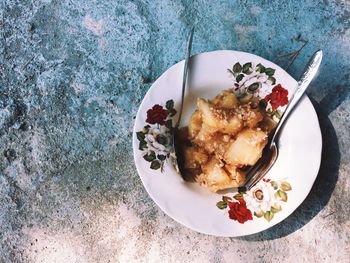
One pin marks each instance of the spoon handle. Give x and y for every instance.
(184, 79)
(303, 83)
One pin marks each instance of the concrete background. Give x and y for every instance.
(73, 73)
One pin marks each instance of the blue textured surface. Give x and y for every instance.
(73, 73)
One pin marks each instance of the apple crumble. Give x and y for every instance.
(224, 137)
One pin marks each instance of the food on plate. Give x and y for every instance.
(224, 137)
(246, 149)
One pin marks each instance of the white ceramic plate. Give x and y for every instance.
(194, 206)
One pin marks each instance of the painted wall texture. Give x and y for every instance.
(73, 73)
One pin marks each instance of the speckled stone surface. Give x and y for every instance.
(73, 73)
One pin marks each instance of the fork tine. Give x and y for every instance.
(261, 168)
(253, 171)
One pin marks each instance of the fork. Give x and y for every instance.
(174, 150)
(270, 152)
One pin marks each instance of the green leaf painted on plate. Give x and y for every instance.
(276, 208)
(280, 195)
(140, 136)
(270, 72)
(226, 199)
(273, 80)
(221, 204)
(237, 68)
(239, 77)
(268, 215)
(169, 104)
(278, 114)
(150, 156)
(274, 184)
(155, 165)
(247, 68)
(260, 68)
(238, 196)
(142, 145)
(285, 186)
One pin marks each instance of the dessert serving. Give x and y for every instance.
(228, 117)
(225, 136)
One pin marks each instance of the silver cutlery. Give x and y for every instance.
(184, 81)
(270, 153)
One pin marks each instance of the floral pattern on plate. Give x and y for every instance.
(155, 137)
(265, 199)
(258, 81)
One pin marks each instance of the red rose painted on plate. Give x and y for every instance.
(239, 211)
(157, 115)
(278, 97)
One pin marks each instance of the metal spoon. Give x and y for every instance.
(270, 153)
(184, 80)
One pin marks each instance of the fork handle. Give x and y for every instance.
(303, 83)
(264, 164)
(184, 78)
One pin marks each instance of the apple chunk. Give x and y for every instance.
(227, 99)
(221, 119)
(247, 148)
(195, 124)
(215, 177)
(194, 157)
